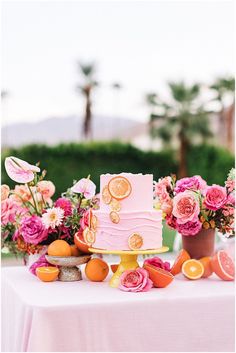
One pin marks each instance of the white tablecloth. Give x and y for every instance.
(87, 316)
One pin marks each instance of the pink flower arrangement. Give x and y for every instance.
(135, 281)
(157, 262)
(190, 205)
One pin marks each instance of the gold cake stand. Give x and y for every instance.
(128, 260)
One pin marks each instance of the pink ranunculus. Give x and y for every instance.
(167, 206)
(135, 281)
(5, 190)
(160, 188)
(41, 262)
(19, 170)
(32, 230)
(10, 210)
(64, 204)
(215, 197)
(157, 262)
(21, 194)
(192, 183)
(84, 221)
(86, 187)
(186, 207)
(46, 188)
(189, 228)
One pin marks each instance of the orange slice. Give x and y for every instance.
(160, 278)
(119, 187)
(115, 205)
(106, 196)
(115, 218)
(89, 236)
(47, 273)
(135, 241)
(193, 269)
(181, 258)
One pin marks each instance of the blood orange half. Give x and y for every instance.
(80, 243)
(159, 277)
(223, 266)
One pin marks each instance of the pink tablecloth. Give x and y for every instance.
(85, 316)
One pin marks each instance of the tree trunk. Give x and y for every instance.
(88, 115)
(183, 157)
(230, 127)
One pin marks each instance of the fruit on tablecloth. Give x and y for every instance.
(206, 261)
(119, 187)
(75, 251)
(160, 278)
(193, 269)
(47, 274)
(223, 265)
(59, 248)
(80, 243)
(181, 258)
(114, 267)
(96, 270)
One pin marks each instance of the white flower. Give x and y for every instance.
(53, 217)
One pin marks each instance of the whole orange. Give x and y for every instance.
(96, 270)
(206, 261)
(75, 251)
(59, 248)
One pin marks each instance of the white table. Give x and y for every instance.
(86, 316)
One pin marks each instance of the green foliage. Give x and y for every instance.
(66, 162)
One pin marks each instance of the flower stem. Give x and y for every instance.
(35, 204)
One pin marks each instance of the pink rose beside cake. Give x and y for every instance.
(126, 219)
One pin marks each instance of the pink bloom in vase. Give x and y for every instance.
(65, 205)
(32, 230)
(186, 207)
(215, 197)
(19, 170)
(157, 262)
(135, 281)
(46, 188)
(5, 190)
(10, 210)
(189, 228)
(41, 262)
(86, 187)
(192, 183)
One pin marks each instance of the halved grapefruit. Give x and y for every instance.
(223, 265)
(80, 243)
(160, 278)
(181, 258)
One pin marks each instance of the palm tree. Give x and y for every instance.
(225, 87)
(183, 118)
(86, 88)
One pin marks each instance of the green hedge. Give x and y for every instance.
(66, 162)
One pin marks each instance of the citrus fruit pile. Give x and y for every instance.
(62, 248)
(221, 264)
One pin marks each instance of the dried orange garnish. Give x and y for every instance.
(115, 205)
(89, 236)
(94, 222)
(106, 196)
(115, 218)
(119, 187)
(135, 241)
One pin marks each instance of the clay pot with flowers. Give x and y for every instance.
(196, 210)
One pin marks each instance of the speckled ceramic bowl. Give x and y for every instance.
(67, 266)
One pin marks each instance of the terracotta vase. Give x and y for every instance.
(200, 245)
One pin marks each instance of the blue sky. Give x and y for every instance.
(138, 44)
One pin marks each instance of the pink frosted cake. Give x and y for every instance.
(126, 219)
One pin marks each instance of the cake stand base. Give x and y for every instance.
(128, 260)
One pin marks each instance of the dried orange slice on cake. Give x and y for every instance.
(115, 218)
(106, 196)
(135, 241)
(89, 236)
(119, 187)
(115, 205)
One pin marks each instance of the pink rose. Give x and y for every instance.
(161, 188)
(65, 204)
(10, 210)
(32, 230)
(46, 188)
(135, 281)
(84, 221)
(186, 207)
(19, 170)
(21, 194)
(189, 228)
(193, 183)
(216, 197)
(5, 190)
(157, 262)
(41, 262)
(86, 187)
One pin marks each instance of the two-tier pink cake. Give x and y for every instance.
(126, 219)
